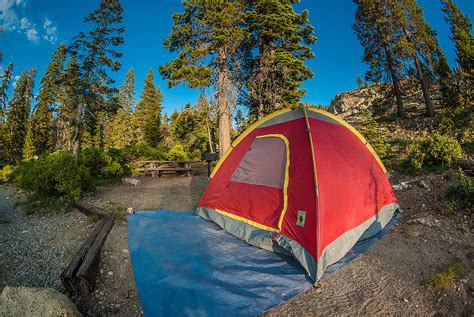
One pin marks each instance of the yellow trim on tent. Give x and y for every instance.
(287, 174)
(353, 130)
(244, 134)
(247, 221)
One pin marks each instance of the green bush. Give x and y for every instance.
(141, 152)
(442, 149)
(434, 151)
(108, 164)
(462, 192)
(177, 153)
(369, 128)
(58, 174)
(5, 172)
(415, 157)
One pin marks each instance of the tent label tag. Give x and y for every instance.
(301, 218)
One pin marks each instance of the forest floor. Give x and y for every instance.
(394, 277)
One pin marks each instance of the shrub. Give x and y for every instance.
(435, 150)
(5, 172)
(442, 149)
(112, 168)
(141, 152)
(369, 128)
(37, 202)
(177, 153)
(55, 174)
(462, 192)
(102, 163)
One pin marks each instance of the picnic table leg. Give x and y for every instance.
(188, 173)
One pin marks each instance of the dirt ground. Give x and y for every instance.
(393, 277)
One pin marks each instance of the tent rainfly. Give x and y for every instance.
(300, 182)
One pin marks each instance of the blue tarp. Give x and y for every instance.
(186, 266)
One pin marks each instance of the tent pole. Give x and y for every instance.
(313, 159)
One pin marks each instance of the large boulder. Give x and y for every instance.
(37, 302)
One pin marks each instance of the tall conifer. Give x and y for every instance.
(207, 37)
(47, 101)
(97, 55)
(148, 111)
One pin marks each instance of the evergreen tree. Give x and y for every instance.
(281, 38)
(126, 92)
(47, 100)
(17, 116)
(123, 128)
(69, 121)
(148, 111)
(5, 85)
(416, 41)
(96, 52)
(375, 31)
(447, 85)
(207, 37)
(461, 26)
(29, 149)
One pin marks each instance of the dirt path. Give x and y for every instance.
(392, 278)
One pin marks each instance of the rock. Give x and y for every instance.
(110, 273)
(26, 301)
(130, 211)
(422, 184)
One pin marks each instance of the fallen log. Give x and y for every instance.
(80, 275)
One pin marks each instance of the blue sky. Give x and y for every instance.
(33, 28)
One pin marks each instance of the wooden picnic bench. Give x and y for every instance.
(155, 168)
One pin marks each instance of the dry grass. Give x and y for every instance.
(446, 280)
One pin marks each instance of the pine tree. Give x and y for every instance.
(96, 52)
(207, 37)
(29, 149)
(416, 41)
(126, 92)
(447, 85)
(47, 101)
(6, 78)
(69, 122)
(375, 32)
(123, 129)
(461, 26)
(148, 111)
(17, 117)
(281, 39)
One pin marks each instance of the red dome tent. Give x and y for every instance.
(301, 182)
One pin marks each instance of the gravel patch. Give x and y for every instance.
(35, 249)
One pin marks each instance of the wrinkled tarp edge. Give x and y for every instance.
(287, 246)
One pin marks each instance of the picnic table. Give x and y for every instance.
(155, 168)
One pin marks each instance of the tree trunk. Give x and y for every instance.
(395, 81)
(424, 87)
(223, 103)
(76, 138)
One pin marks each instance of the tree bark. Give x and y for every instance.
(223, 103)
(424, 87)
(395, 81)
(76, 138)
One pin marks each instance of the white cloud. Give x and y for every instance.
(32, 35)
(50, 31)
(12, 20)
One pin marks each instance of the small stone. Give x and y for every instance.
(422, 184)
(125, 251)
(130, 211)
(110, 273)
